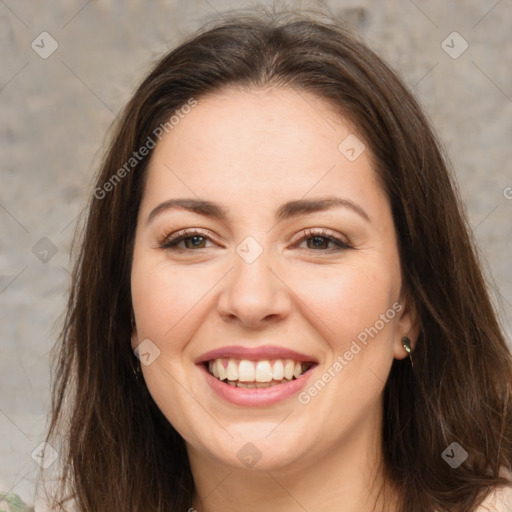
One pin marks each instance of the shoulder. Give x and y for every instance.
(500, 499)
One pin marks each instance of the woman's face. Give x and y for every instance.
(286, 282)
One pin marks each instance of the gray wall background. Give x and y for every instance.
(56, 112)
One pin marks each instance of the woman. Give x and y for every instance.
(277, 304)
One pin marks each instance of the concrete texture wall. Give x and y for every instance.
(69, 67)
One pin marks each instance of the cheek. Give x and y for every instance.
(347, 301)
(167, 302)
(165, 299)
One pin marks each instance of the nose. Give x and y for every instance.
(254, 295)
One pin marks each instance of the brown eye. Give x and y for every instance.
(319, 241)
(192, 240)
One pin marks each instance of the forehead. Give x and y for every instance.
(255, 145)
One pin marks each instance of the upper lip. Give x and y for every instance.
(254, 354)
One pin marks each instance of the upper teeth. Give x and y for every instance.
(256, 371)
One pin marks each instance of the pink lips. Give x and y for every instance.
(256, 397)
(255, 354)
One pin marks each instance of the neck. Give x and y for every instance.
(348, 477)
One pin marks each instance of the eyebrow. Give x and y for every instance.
(286, 211)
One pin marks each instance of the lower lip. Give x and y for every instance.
(256, 397)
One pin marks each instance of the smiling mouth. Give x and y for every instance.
(243, 373)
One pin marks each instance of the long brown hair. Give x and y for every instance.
(118, 452)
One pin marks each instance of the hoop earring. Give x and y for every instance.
(406, 343)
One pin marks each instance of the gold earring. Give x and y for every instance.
(137, 370)
(406, 343)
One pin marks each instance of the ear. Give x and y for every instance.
(407, 324)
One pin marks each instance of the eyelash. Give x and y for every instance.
(171, 242)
